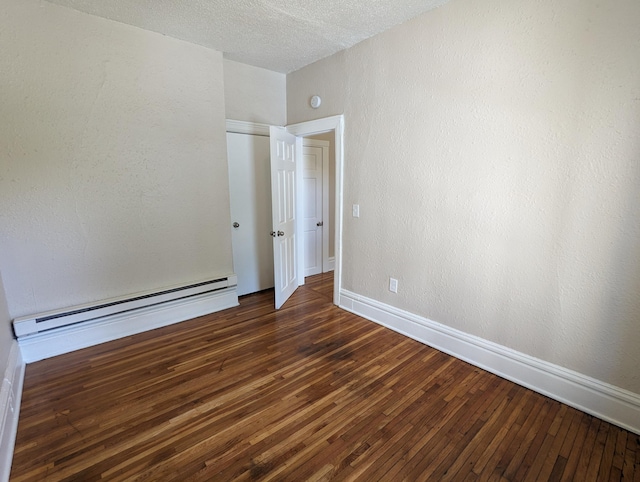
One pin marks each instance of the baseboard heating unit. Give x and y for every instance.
(56, 332)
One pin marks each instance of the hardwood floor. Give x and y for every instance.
(306, 393)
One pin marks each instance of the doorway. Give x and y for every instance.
(335, 125)
(332, 126)
(250, 207)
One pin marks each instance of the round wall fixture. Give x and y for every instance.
(315, 101)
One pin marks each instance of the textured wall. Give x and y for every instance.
(253, 94)
(113, 157)
(6, 332)
(493, 147)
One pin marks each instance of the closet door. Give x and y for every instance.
(250, 197)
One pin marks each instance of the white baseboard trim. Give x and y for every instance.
(10, 396)
(82, 335)
(607, 402)
(330, 265)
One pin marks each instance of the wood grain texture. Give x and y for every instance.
(310, 392)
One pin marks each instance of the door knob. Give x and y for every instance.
(272, 234)
(236, 225)
(319, 223)
(280, 233)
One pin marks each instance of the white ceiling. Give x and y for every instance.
(279, 35)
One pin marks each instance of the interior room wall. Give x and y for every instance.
(114, 173)
(493, 148)
(253, 94)
(6, 332)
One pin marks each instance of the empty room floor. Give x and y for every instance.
(309, 392)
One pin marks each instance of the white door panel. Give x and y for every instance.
(284, 212)
(312, 220)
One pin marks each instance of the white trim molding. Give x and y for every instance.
(243, 127)
(607, 402)
(331, 264)
(82, 335)
(10, 396)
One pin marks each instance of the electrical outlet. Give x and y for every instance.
(356, 210)
(393, 285)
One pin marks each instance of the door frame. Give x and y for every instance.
(246, 127)
(320, 126)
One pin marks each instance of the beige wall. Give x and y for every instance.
(253, 94)
(6, 332)
(493, 148)
(113, 157)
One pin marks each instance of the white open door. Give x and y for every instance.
(285, 152)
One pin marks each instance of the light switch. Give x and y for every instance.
(356, 210)
(393, 285)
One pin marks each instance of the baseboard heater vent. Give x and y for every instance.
(44, 322)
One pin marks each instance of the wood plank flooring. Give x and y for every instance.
(306, 393)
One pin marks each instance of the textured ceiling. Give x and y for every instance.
(277, 35)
